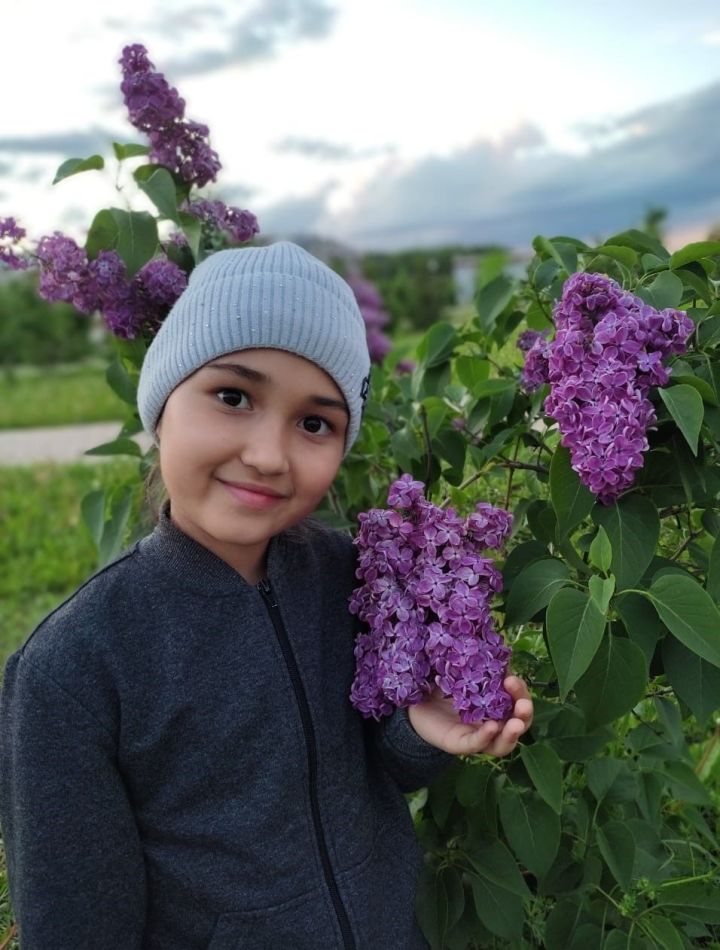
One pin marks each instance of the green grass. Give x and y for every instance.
(60, 395)
(45, 549)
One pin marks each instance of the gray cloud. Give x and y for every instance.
(259, 34)
(327, 151)
(295, 215)
(666, 155)
(175, 25)
(69, 144)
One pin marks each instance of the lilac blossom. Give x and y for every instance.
(425, 598)
(371, 307)
(10, 236)
(607, 353)
(241, 225)
(155, 108)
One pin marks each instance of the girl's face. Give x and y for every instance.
(249, 445)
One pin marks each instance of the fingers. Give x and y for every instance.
(507, 738)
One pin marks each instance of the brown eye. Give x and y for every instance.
(231, 397)
(314, 424)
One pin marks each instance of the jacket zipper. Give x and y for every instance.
(272, 607)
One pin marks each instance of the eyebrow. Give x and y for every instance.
(256, 376)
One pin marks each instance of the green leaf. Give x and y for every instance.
(601, 773)
(532, 828)
(92, 509)
(665, 291)
(575, 628)
(499, 910)
(639, 241)
(192, 229)
(73, 166)
(601, 551)
(633, 527)
(694, 252)
(712, 583)
(684, 783)
(613, 683)
(662, 932)
(137, 238)
(563, 253)
(103, 234)
(129, 151)
(533, 589)
(625, 255)
(116, 447)
(121, 383)
(707, 392)
(492, 861)
(493, 387)
(689, 614)
(601, 590)
(641, 621)
(618, 849)
(545, 770)
(492, 299)
(471, 370)
(114, 529)
(437, 345)
(158, 185)
(685, 405)
(571, 500)
(700, 901)
(693, 679)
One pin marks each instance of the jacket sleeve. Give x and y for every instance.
(75, 864)
(409, 759)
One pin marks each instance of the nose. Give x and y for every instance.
(265, 451)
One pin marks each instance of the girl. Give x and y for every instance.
(180, 764)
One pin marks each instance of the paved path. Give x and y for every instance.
(59, 443)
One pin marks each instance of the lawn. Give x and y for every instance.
(59, 395)
(45, 550)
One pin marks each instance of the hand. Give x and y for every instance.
(437, 722)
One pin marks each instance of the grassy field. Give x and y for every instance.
(60, 395)
(45, 549)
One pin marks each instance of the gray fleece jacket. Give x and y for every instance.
(180, 766)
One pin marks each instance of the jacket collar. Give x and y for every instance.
(193, 567)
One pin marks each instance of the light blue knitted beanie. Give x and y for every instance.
(277, 296)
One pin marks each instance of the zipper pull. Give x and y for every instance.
(266, 590)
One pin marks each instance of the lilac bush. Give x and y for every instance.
(426, 600)
(607, 353)
(240, 225)
(375, 317)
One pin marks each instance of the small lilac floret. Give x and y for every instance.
(426, 599)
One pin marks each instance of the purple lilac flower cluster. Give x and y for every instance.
(129, 307)
(10, 236)
(426, 600)
(239, 224)
(156, 109)
(375, 317)
(607, 353)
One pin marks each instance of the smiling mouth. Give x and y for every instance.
(252, 496)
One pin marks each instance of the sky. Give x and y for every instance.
(384, 124)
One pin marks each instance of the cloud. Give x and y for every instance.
(664, 155)
(69, 144)
(298, 215)
(327, 151)
(260, 34)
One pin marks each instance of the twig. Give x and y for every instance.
(9, 936)
(689, 540)
(428, 449)
(511, 466)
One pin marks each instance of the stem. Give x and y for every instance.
(511, 472)
(524, 466)
(709, 749)
(688, 541)
(463, 486)
(426, 435)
